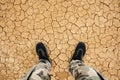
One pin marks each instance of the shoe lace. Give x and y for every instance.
(42, 52)
(80, 53)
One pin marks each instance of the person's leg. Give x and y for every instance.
(82, 72)
(78, 69)
(41, 70)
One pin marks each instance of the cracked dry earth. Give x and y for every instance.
(60, 25)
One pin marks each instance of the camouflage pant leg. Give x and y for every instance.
(82, 72)
(40, 71)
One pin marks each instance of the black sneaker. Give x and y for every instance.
(42, 52)
(79, 51)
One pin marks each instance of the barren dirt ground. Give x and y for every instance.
(60, 25)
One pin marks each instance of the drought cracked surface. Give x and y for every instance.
(60, 25)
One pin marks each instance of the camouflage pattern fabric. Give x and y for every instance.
(83, 72)
(39, 71)
(76, 67)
